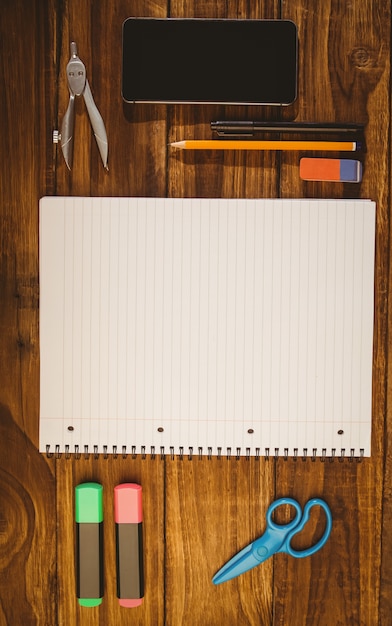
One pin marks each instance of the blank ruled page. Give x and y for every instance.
(206, 324)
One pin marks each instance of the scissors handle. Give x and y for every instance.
(278, 503)
(300, 524)
(276, 538)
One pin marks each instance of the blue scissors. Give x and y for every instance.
(276, 538)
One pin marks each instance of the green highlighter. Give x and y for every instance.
(89, 543)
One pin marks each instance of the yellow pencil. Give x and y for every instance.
(219, 144)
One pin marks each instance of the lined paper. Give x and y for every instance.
(210, 324)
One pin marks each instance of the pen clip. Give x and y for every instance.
(235, 133)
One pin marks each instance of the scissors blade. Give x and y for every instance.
(240, 563)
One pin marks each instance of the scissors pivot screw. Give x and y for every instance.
(263, 551)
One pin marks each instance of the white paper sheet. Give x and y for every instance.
(207, 324)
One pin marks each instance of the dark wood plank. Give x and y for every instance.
(386, 517)
(386, 537)
(26, 80)
(27, 486)
(215, 507)
(344, 55)
(340, 575)
(27, 528)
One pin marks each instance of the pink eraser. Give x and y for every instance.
(128, 504)
(334, 170)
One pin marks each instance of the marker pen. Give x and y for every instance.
(89, 543)
(128, 516)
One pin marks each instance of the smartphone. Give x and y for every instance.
(219, 61)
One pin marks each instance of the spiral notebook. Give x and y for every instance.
(206, 326)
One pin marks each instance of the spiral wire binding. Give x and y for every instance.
(191, 454)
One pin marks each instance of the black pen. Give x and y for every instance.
(249, 128)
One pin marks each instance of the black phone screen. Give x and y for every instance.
(205, 60)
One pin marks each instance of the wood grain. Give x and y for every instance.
(27, 486)
(214, 507)
(345, 56)
(198, 513)
(27, 528)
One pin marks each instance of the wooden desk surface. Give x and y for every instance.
(200, 512)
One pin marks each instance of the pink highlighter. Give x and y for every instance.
(128, 517)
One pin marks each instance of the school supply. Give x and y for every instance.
(79, 86)
(276, 538)
(128, 517)
(334, 170)
(89, 543)
(206, 326)
(254, 144)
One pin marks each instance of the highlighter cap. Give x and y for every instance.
(89, 503)
(128, 504)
